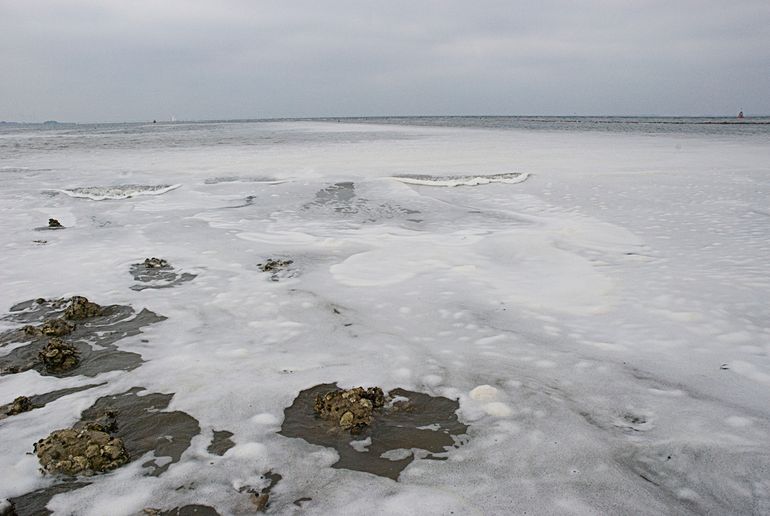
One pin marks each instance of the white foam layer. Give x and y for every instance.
(469, 180)
(102, 193)
(518, 266)
(604, 328)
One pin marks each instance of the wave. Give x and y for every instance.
(469, 180)
(239, 179)
(101, 193)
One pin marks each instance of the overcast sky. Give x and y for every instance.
(115, 60)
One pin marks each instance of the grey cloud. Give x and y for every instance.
(200, 59)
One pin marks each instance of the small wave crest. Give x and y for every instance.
(239, 179)
(101, 193)
(469, 180)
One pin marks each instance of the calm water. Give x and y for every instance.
(699, 125)
(15, 138)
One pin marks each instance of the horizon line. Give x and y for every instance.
(359, 117)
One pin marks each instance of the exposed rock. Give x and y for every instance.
(155, 263)
(50, 328)
(272, 265)
(95, 337)
(58, 356)
(56, 328)
(351, 409)
(277, 268)
(80, 452)
(144, 426)
(53, 223)
(409, 421)
(19, 405)
(13, 369)
(81, 308)
(25, 404)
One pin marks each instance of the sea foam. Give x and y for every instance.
(603, 328)
(469, 180)
(102, 193)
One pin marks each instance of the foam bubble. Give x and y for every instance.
(483, 393)
(498, 409)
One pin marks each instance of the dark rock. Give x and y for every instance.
(19, 405)
(81, 308)
(80, 452)
(272, 265)
(155, 263)
(351, 409)
(53, 223)
(95, 337)
(139, 425)
(25, 404)
(56, 328)
(50, 328)
(144, 426)
(58, 356)
(412, 420)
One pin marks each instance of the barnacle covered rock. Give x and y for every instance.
(19, 405)
(351, 409)
(81, 308)
(80, 452)
(50, 328)
(155, 263)
(272, 265)
(58, 356)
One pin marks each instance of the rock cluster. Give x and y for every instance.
(351, 409)
(58, 356)
(78, 307)
(80, 452)
(388, 429)
(272, 265)
(81, 308)
(155, 263)
(51, 328)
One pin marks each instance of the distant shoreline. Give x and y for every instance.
(576, 119)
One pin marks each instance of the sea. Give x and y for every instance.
(569, 313)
